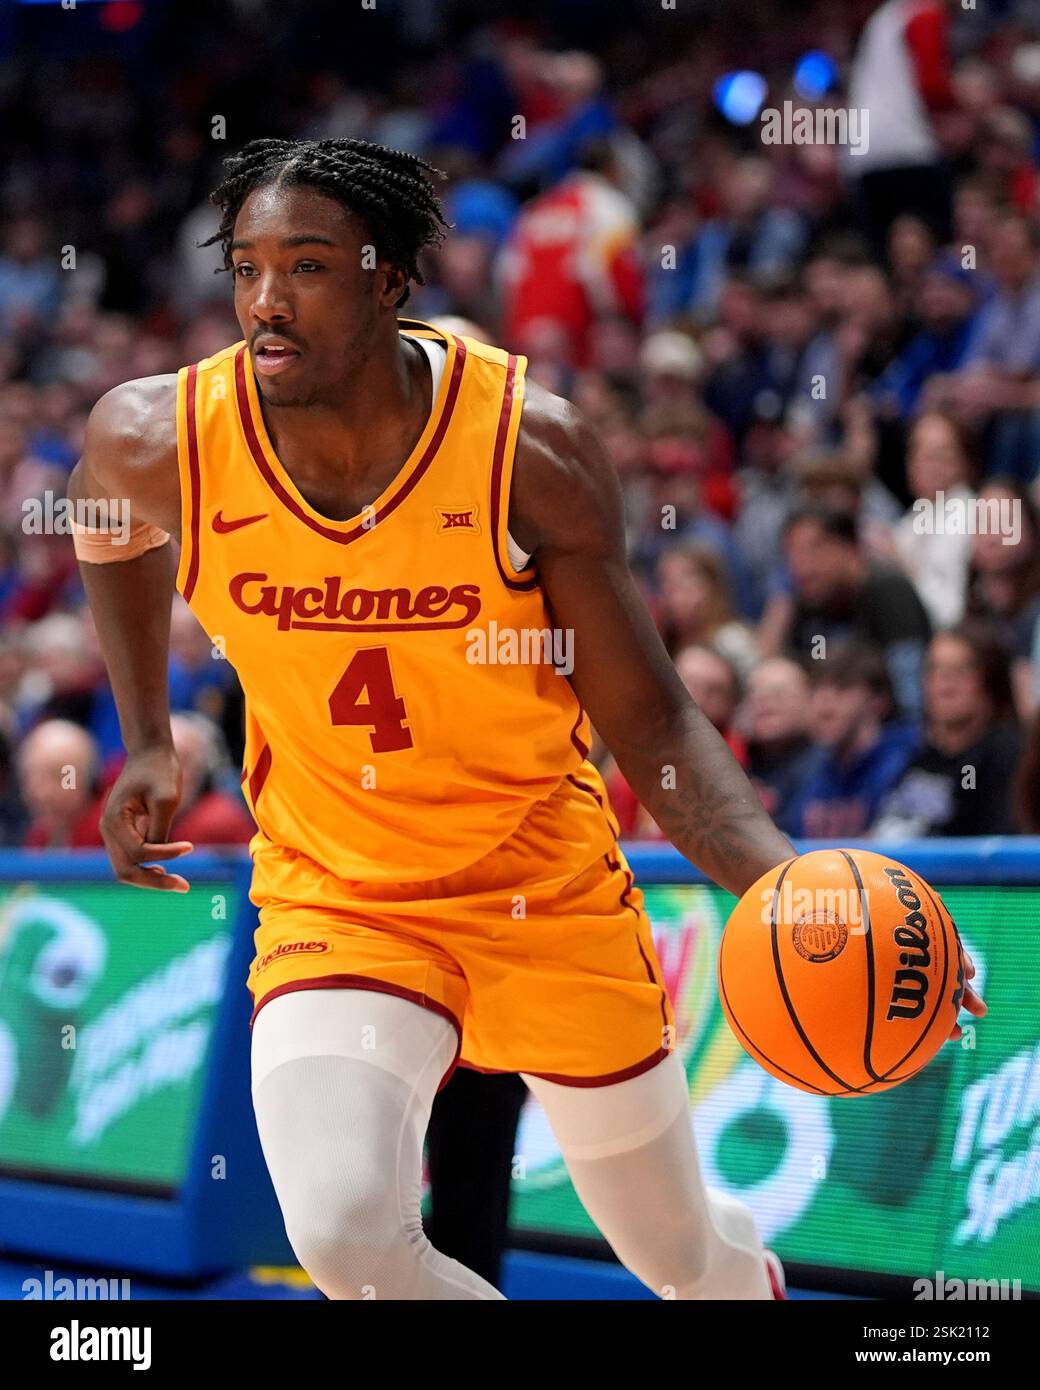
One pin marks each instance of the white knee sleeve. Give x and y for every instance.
(343, 1081)
(400, 1037)
(597, 1121)
(629, 1150)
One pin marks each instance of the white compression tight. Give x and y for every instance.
(343, 1083)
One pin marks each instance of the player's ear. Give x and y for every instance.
(394, 281)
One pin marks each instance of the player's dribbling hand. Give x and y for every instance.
(971, 1000)
(137, 818)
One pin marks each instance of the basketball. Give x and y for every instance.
(841, 972)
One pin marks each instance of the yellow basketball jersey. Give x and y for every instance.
(394, 729)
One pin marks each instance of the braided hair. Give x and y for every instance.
(388, 188)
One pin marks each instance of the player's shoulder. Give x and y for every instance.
(556, 442)
(141, 414)
(130, 449)
(563, 479)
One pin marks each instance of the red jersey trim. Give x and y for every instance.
(195, 483)
(608, 1079)
(258, 776)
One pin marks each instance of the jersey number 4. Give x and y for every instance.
(382, 712)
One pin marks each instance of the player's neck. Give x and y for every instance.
(374, 421)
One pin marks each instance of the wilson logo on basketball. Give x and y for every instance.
(335, 609)
(911, 984)
(458, 519)
(820, 936)
(292, 948)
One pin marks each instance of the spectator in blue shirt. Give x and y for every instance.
(754, 236)
(30, 280)
(862, 754)
(997, 383)
(1007, 341)
(947, 305)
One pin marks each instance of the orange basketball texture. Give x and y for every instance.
(841, 972)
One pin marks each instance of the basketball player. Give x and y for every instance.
(366, 508)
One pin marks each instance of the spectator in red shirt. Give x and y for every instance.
(58, 766)
(207, 815)
(781, 754)
(714, 683)
(572, 258)
(1005, 155)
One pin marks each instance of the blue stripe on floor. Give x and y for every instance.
(527, 1276)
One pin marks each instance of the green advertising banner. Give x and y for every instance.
(941, 1173)
(107, 1004)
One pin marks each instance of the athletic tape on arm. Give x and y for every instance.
(97, 546)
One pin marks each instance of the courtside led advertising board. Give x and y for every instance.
(107, 1004)
(940, 1174)
(127, 1137)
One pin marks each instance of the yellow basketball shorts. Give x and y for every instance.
(540, 954)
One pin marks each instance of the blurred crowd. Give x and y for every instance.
(817, 372)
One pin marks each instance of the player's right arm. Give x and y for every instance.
(128, 478)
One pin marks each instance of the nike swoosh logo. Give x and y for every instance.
(222, 527)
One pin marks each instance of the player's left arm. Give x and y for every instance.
(565, 507)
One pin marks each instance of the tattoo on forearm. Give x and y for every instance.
(717, 828)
